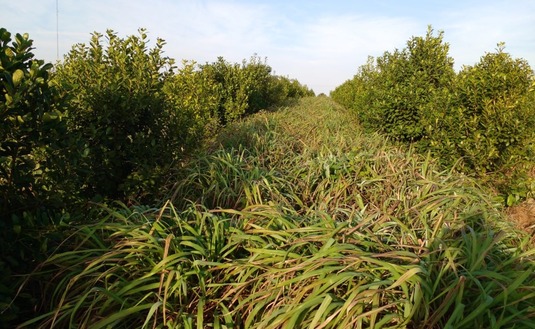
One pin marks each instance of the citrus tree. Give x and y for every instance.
(490, 122)
(31, 126)
(408, 81)
(126, 130)
(33, 187)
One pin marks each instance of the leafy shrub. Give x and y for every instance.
(490, 121)
(256, 78)
(483, 115)
(358, 94)
(406, 85)
(31, 126)
(233, 93)
(491, 117)
(250, 87)
(345, 93)
(32, 189)
(126, 130)
(282, 89)
(395, 92)
(196, 96)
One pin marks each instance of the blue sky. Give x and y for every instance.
(320, 43)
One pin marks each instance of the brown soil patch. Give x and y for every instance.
(523, 215)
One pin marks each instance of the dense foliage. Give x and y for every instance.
(123, 127)
(480, 120)
(280, 228)
(136, 193)
(31, 127)
(248, 88)
(134, 116)
(407, 84)
(32, 163)
(107, 123)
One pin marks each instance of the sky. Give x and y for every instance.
(319, 43)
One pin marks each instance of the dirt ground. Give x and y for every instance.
(523, 215)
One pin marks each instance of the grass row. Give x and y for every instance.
(295, 219)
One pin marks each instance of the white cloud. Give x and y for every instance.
(476, 29)
(333, 47)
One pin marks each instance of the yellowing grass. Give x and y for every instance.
(298, 220)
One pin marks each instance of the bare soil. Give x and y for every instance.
(523, 215)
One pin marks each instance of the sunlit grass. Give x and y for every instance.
(295, 219)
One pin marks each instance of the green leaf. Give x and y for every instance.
(47, 117)
(9, 52)
(17, 77)
(118, 316)
(511, 200)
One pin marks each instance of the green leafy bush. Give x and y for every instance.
(212, 95)
(256, 79)
(345, 93)
(480, 120)
(32, 187)
(126, 130)
(491, 116)
(196, 97)
(406, 85)
(358, 94)
(233, 93)
(282, 89)
(395, 92)
(490, 121)
(30, 130)
(250, 87)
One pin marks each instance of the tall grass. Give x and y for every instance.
(295, 220)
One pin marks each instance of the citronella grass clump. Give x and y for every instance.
(294, 230)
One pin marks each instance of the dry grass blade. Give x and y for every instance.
(288, 223)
